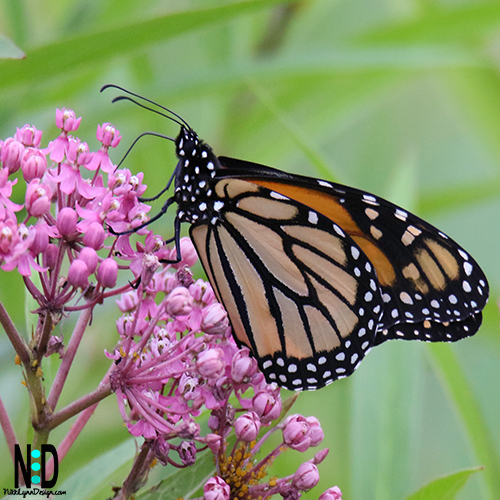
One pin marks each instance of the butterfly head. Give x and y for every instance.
(186, 142)
(195, 173)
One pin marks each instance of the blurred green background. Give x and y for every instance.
(397, 97)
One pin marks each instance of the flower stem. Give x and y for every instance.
(16, 340)
(68, 358)
(138, 475)
(8, 430)
(48, 326)
(70, 438)
(103, 391)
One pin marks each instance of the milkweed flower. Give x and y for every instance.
(306, 477)
(11, 154)
(333, 493)
(216, 489)
(109, 136)
(67, 121)
(168, 368)
(33, 164)
(175, 356)
(29, 136)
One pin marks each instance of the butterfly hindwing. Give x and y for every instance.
(299, 292)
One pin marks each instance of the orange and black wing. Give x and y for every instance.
(299, 292)
(432, 289)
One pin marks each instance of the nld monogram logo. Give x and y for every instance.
(35, 472)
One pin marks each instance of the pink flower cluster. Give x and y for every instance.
(176, 356)
(67, 213)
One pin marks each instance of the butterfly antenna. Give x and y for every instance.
(137, 139)
(126, 98)
(174, 116)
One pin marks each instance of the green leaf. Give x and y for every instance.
(71, 54)
(92, 476)
(469, 411)
(440, 24)
(444, 488)
(476, 94)
(183, 483)
(301, 142)
(456, 198)
(8, 49)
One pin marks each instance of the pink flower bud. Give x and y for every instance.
(55, 345)
(66, 120)
(127, 302)
(107, 274)
(295, 429)
(187, 453)
(108, 135)
(243, 367)
(316, 433)
(216, 489)
(78, 151)
(210, 363)
(247, 427)
(213, 441)
(66, 221)
(160, 448)
(306, 477)
(11, 154)
(50, 256)
(179, 302)
(208, 295)
(196, 289)
(188, 429)
(214, 319)
(33, 164)
(297, 432)
(331, 494)
(29, 136)
(188, 253)
(213, 422)
(41, 240)
(320, 456)
(8, 236)
(78, 274)
(89, 256)
(150, 264)
(267, 404)
(38, 198)
(188, 386)
(94, 236)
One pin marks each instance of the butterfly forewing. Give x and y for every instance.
(299, 292)
(432, 289)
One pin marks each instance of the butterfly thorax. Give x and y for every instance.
(194, 180)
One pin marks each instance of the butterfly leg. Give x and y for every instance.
(177, 239)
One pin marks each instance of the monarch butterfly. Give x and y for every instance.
(313, 274)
